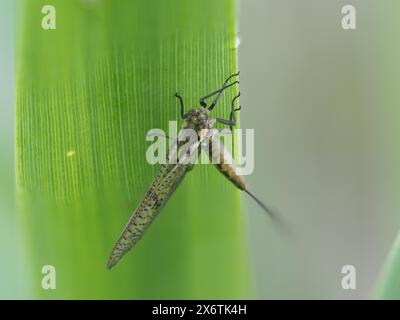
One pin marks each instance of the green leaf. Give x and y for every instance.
(87, 93)
(388, 286)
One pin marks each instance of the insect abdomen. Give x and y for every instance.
(224, 166)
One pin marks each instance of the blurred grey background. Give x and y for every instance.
(10, 275)
(321, 102)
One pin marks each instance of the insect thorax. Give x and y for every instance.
(197, 119)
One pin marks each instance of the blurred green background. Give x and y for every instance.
(323, 103)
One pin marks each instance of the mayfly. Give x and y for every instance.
(170, 175)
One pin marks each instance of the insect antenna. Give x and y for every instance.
(214, 103)
(218, 92)
(183, 115)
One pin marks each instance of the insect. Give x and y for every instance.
(170, 175)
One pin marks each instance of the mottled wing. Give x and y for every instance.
(164, 184)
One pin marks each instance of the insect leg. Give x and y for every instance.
(226, 122)
(183, 115)
(232, 117)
